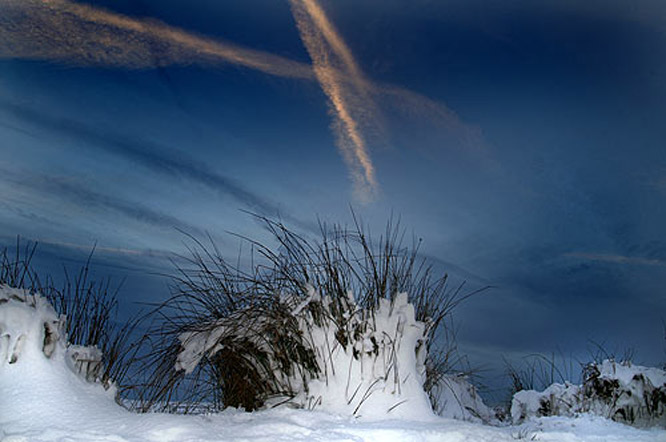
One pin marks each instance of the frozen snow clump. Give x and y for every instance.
(29, 326)
(621, 391)
(456, 398)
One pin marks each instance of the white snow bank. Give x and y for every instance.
(626, 373)
(28, 324)
(623, 392)
(92, 424)
(36, 368)
(556, 400)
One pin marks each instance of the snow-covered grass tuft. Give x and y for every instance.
(97, 346)
(341, 323)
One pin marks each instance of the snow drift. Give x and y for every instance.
(38, 367)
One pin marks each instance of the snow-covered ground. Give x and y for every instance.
(44, 398)
(63, 418)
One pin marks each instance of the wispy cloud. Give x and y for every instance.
(330, 57)
(158, 158)
(87, 35)
(81, 196)
(105, 250)
(83, 35)
(617, 259)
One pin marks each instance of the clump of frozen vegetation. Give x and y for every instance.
(77, 317)
(371, 363)
(44, 399)
(341, 324)
(29, 325)
(621, 391)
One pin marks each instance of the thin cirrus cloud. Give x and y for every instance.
(66, 190)
(64, 31)
(157, 158)
(617, 259)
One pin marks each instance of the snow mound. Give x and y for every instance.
(370, 364)
(556, 400)
(378, 372)
(39, 370)
(624, 392)
(28, 323)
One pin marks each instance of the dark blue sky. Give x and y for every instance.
(523, 141)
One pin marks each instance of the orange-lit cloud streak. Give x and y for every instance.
(331, 57)
(364, 106)
(85, 35)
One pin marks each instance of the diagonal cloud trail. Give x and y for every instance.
(364, 105)
(86, 35)
(330, 56)
(80, 195)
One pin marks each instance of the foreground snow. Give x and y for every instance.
(46, 395)
(276, 425)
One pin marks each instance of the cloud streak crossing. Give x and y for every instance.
(82, 35)
(330, 57)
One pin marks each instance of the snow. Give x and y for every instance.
(379, 373)
(456, 398)
(44, 398)
(561, 400)
(621, 391)
(625, 372)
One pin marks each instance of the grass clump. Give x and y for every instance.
(240, 333)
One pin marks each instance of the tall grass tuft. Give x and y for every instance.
(255, 352)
